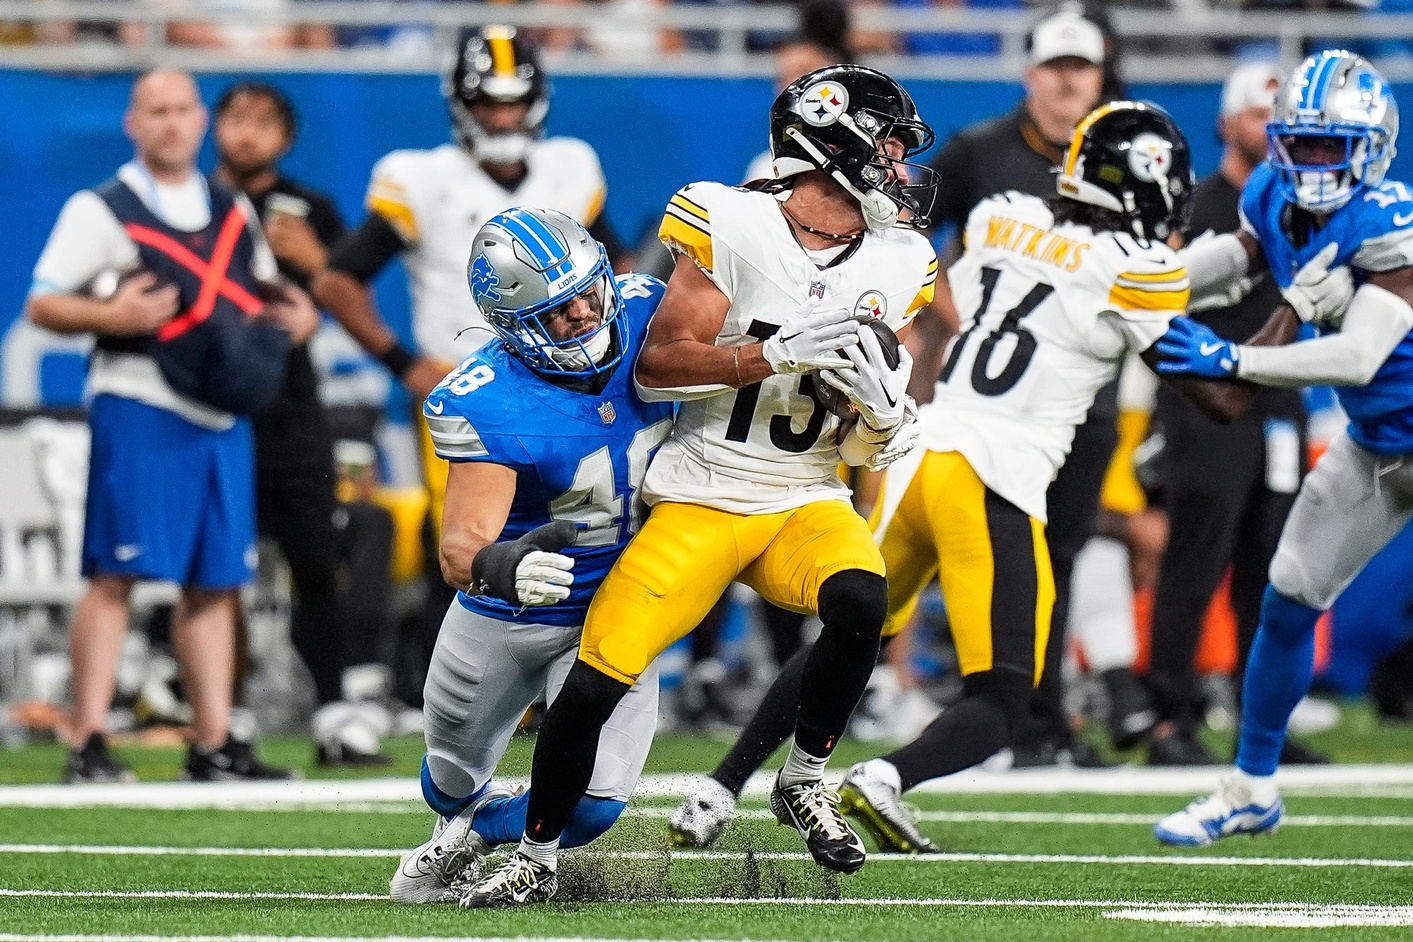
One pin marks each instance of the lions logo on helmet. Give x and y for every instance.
(1333, 130)
(528, 268)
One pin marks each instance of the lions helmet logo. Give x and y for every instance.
(824, 103)
(484, 282)
(1149, 157)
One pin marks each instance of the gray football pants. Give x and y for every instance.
(486, 673)
(1349, 507)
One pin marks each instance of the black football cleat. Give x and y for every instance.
(813, 811)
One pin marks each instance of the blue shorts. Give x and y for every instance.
(168, 499)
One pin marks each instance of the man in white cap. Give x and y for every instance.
(1021, 150)
(1228, 488)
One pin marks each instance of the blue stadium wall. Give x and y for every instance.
(62, 132)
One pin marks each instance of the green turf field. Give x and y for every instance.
(1017, 866)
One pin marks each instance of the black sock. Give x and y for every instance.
(852, 605)
(972, 730)
(771, 724)
(566, 748)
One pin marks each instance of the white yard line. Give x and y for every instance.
(1068, 817)
(1364, 780)
(917, 860)
(1299, 916)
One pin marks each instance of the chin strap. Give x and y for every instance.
(879, 211)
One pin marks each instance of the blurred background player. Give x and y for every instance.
(254, 129)
(1227, 489)
(190, 516)
(426, 205)
(1321, 198)
(747, 485)
(1063, 81)
(548, 442)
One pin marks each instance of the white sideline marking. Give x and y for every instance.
(1239, 914)
(1068, 817)
(1294, 917)
(953, 857)
(1365, 780)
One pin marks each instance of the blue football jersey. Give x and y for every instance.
(1374, 231)
(577, 456)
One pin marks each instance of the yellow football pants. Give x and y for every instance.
(990, 557)
(685, 557)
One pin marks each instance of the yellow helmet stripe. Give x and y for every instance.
(1080, 131)
(502, 50)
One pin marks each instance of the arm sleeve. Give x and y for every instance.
(364, 251)
(1376, 322)
(85, 240)
(1215, 265)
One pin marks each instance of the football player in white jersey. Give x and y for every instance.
(426, 205)
(1054, 295)
(761, 304)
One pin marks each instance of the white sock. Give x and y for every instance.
(1262, 788)
(883, 770)
(546, 854)
(800, 767)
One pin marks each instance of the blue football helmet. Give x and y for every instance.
(528, 265)
(1333, 130)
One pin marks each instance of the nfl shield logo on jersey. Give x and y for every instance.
(817, 290)
(607, 412)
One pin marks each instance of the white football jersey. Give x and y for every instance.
(771, 446)
(437, 199)
(1048, 313)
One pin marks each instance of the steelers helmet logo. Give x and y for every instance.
(823, 104)
(871, 304)
(1150, 157)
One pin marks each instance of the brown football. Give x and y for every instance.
(835, 401)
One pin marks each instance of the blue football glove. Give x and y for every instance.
(1192, 349)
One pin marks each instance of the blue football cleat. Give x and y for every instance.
(1231, 809)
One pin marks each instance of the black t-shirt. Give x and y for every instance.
(1214, 207)
(1005, 153)
(294, 430)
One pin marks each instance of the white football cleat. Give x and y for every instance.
(1233, 808)
(699, 821)
(425, 875)
(871, 795)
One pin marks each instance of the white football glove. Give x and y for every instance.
(1319, 295)
(876, 391)
(903, 440)
(543, 578)
(808, 341)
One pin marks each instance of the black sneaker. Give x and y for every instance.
(813, 811)
(92, 763)
(1174, 747)
(1131, 714)
(234, 761)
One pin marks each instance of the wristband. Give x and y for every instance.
(398, 358)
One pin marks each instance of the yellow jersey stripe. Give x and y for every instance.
(1176, 274)
(923, 299)
(1137, 299)
(684, 237)
(398, 214)
(591, 214)
(692, 221)
(682, 202)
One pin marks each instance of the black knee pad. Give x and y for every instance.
(1008, 692)
(854, 602)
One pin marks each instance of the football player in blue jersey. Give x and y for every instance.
(548, 442)
(1320, 197)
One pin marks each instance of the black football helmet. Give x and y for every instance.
(1130, 157)
(836, 119)
(496, 64)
